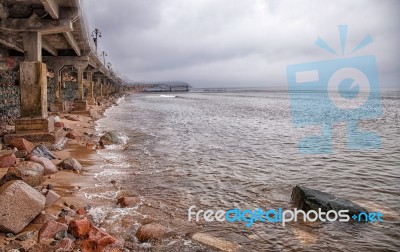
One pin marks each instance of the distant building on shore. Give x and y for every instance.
(168, 86)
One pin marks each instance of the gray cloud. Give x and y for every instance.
(216, 43)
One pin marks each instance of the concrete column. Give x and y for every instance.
(32, 42)
(90, 93)
(80, 67)
(33, 89)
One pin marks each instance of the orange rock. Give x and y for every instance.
(128, 201)
(97, 240)
(79, 228)
(58, 124)
(81, 211)
(7, 160)
(22, 144)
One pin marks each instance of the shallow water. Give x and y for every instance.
(240, 149)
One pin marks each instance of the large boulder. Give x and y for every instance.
(310, 199)
(19, 205)
(151, 232)
(41, 151)
(111, 137)
(30, 172)
(49, 167)
(71, 164)
(79, 228)
(22, 144)
(7, 160)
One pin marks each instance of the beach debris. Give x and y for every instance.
(22, 144)
(215, 242)
(7, 160)
(79, 227)
(151, 232)
(50, 229)
(111, 137)
(30, 172)
(51, 197)
(41, 151)
(71, 164)
(49, 167)
(19, 205)
(310, 199)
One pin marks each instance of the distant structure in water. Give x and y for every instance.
(165, 86)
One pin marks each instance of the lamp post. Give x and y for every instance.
(104, 55)
(96, 34)
(109, 66)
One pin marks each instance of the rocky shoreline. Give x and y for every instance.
(42, 209)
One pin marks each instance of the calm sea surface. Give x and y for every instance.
(239, 149)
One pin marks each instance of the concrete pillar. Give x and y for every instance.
(32, 42)
(33, 89)
(80, 67)
(90, 93)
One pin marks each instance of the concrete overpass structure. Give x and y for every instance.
(49, 35)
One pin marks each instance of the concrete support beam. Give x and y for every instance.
(33, 89)
(51, 7)
(11, 43)
(45, 26)
(48, 47)
(33, 46)
(72, 41)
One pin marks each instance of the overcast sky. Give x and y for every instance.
(225, 43)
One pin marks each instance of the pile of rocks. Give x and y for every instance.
(23, 201)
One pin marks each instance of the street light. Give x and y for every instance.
(96, 34)
(109, 66)
(104, 55)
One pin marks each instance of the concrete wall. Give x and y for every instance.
(9, 96)
(69, 93)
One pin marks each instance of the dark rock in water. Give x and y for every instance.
(19, 205)
(111, 137)
(71, 164)
(30, 172)
(42, 151)
(310, 199)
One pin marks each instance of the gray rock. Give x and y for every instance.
(111, 137)
(49, 167)
(51, 197)
(19, 205)
(41, 151)
(21, 154)
(30, 172)
(71, 164)
(311, 199)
